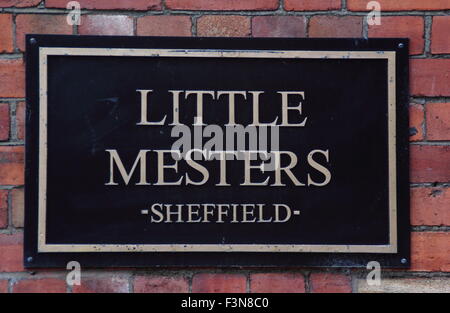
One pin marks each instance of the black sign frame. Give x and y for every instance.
(33, 258)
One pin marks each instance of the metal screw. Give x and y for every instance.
(30, 259)
(401, 45)
(33, 41)
(403, 261)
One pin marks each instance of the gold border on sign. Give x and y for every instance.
(44, 52)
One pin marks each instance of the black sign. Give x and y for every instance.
(224, 152)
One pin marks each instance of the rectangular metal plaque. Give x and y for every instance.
(144, 151)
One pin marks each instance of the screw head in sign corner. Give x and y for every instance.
(30, 259)
(401, 45)
(33, 41)
(403, 261)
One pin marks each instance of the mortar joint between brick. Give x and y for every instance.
(189, 279)
(281, 6)
(194, 19)
(429, 185)
(164, 9)
(307, 281)
(417, 101)
(11, 56)
(13, 121)
(280, 11)
(75, 27)
(365, 28)
(10, 286)
(353, 283)
(14, 35)
(9, 210)
(424, 122)
(439, 56)
(12, 143)
(248, 282)
(344, 6)
(69, 288)
(11, 99)
(430, 99)
(427, 35)
(387, 273)
(131, 279)
(9, 227)
(430, 143)
(11, 231)
(6, 187)
(307, 22)
(432, 229)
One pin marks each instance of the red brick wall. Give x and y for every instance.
(425, 22)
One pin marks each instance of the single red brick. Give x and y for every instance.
(220, 5)
(226, 283)
(440, 39)
(403, 5)
(17, 205)
(312, 5)
(3, 285)
(138, 5)
(430, 251)
(411, 27)
(164, 25)
(6, 33)
(416, 122)
(330, 283)
(430, 164)
(223, 26)
(3, 208)
(12, 78)
(335, 26)
(40, 24)
(109, 284)
(4, 121)
(430, 206)
(277, 283)
(160, 284)
(11, 247)
(20, 120)
(438, 121)
(279, 26)
(19, 3)
(40, 285)
(11, 165)
(430, 77)
(106, 25)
